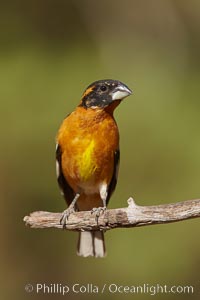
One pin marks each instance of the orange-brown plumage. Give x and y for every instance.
(75, 134)
(88, 156)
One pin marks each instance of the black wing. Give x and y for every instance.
(66, 190)
(113, 182)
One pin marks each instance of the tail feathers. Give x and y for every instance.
(91, 243)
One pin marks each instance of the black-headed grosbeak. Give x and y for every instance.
(87, 155)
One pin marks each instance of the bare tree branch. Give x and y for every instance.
(131, 216)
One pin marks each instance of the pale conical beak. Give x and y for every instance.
(120, 92)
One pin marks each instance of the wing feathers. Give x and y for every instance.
(113, 182)
(66, 190)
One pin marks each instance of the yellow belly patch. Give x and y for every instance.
(86, 163)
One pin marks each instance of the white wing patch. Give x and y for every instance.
(57, 164)
(57, 169)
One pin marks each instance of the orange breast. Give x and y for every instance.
(88, 139)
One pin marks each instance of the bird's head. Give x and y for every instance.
(104, 93)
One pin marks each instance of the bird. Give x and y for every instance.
(87, 157)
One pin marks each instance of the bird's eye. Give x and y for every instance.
(103, 88)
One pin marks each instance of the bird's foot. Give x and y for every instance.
(97, 211)
(65, 215)
(70, 210)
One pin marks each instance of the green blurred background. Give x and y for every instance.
(50, 51)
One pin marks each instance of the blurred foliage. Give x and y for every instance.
(50, 51)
